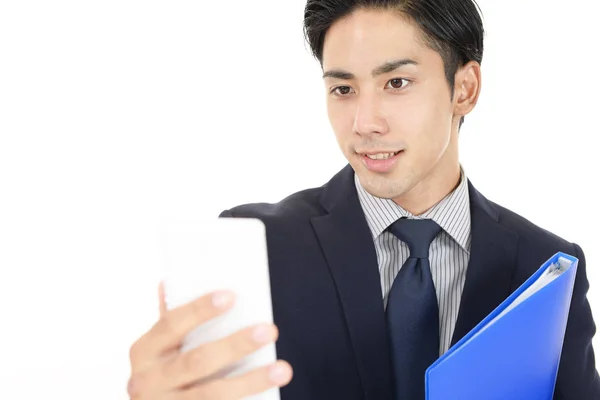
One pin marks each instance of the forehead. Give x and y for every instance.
(369, 37)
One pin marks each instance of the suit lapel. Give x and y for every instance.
(491, 265)
(350, 253)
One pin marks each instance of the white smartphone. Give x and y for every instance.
(201, 257)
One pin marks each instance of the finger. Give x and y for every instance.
(163, 311)
(251, 383)
(162, 306)
(168, 333)
(204, 362)
(208, 359)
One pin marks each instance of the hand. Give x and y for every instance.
(159, 371)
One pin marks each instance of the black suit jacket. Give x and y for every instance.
(327, 298)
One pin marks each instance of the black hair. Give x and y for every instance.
(453, 28)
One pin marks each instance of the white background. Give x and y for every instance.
(115, 115)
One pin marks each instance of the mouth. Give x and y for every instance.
(380, 155)
(380, 162)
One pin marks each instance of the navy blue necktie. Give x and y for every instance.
(412, 310)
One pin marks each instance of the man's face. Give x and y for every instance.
(406, 110)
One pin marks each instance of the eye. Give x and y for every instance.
(341, 90)
(398, 83)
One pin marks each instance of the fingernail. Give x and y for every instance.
(278, 374)
(222, 299)
(261, 334)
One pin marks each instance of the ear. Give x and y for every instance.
(467, 86)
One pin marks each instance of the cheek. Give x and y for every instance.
(410, 122)
(428, 113)
(341, 120)
(425, 129)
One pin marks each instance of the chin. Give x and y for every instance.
(389, 186)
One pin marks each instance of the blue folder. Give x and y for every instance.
(511, 355)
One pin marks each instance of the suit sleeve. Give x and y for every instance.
(578, 378)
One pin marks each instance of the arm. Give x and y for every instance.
(577, 376)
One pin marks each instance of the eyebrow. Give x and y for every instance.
(382, 69)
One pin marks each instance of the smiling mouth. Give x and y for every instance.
(380, 156)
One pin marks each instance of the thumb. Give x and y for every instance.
(162, 306)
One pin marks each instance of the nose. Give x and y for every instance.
(368, 120)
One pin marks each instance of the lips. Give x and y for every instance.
(381, 155)
(381, 162)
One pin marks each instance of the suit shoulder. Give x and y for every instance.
(529, 231)
(300, 205)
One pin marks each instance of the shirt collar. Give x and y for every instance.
(452, 213)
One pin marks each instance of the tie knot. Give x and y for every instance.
(417, 234)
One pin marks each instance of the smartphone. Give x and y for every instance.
(201, 257)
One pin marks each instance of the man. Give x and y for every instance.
(400, 76)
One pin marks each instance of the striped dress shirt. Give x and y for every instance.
(448, 254)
